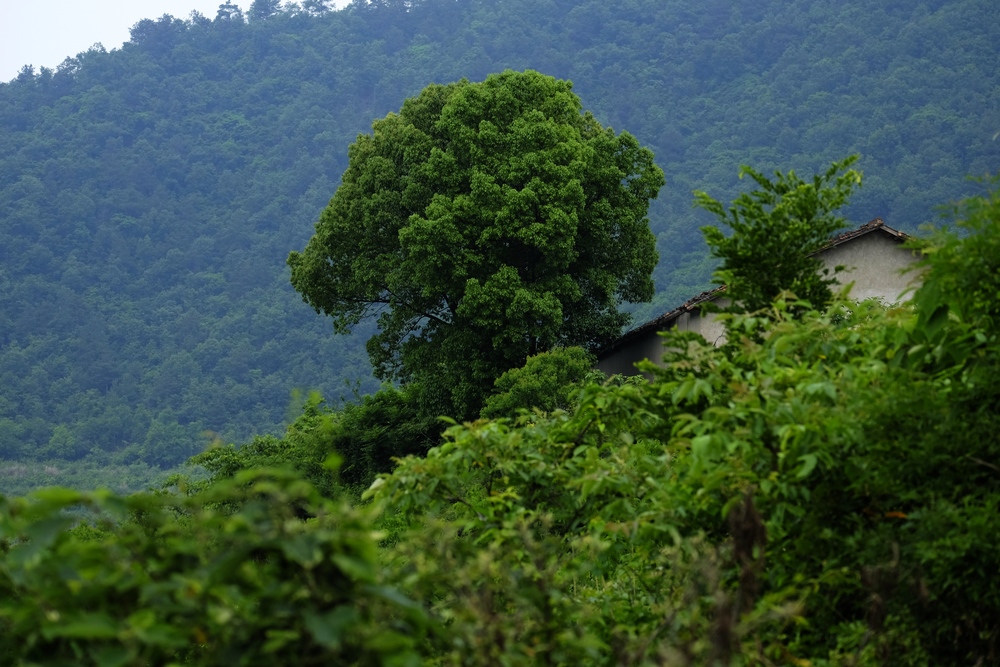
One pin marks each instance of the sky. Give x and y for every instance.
(43, 33)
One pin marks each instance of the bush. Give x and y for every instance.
(175, 579)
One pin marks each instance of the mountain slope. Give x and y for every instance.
(149, 195)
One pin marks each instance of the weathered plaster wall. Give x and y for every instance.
(707, 325)
(649, 344)
(875, 264)
(622, 360)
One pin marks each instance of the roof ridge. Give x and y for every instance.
(870, 226)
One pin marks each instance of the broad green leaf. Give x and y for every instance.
(354, 568)
(303, 549)
(57, 495)
(110, 656)
(279, 639)
(90, 626)
(329, 628)
(809, 462)
(41, 535)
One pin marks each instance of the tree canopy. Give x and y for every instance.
(483, 223)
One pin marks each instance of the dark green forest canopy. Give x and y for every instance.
(149, 195)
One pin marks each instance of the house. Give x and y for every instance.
(873, 259)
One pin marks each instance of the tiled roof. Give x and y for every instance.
(869, 226)
(666, 320)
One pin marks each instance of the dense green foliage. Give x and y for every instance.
(819, 490)
(822, 489)
(483, 223)
(149, 195)
(160, 579)
(365, 436)
(776, 230)
(546, 382)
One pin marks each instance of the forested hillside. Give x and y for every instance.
(150, 195)
(819, 490)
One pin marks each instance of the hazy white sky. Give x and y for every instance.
(45, 32)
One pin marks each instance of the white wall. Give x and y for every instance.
(875, 263)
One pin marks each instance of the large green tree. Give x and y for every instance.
(483, 223)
